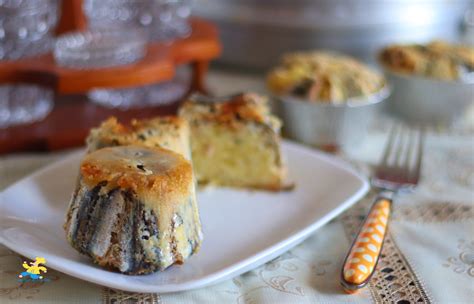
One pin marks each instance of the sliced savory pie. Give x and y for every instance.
(168, 132)
(235, 142)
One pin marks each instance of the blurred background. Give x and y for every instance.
(256, 33)
(67, 65)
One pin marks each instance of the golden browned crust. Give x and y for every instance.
(240, 109)
(323, 77)
(154, 173)
(169, 132)
(438, 59)
(112, 126)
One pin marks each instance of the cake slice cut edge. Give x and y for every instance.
(236, 142)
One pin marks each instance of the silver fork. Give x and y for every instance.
(398, 171)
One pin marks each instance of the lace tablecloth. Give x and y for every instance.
(428, 255)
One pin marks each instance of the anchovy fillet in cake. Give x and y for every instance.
(134, 209)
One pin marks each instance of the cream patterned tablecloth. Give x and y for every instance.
(428, 256)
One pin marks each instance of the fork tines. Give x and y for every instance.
(401, 161)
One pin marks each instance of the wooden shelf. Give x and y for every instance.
(158, 65)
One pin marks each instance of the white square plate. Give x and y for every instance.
(242, 229)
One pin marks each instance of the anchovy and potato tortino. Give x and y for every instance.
(437, 60)
(236, 142)
(323, 77)
(134, 209)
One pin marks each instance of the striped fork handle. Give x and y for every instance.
(361, 260)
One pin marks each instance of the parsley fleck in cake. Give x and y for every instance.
(168, 132)
(235, 142)
(134, 209)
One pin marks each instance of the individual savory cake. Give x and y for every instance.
(437, 60)
(168, 132)
(235, 142)
(323, 77)
(134, 209)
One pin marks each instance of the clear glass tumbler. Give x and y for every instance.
(171, 19)
(24, 103)
(26, 27)
(100, 48)
(140, 97)
(106, 14)
(163, 19)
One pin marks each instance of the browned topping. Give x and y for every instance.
(175, 121)
(114, 128)
(240, 107)
(246, 107)
(144, 170)
(168, 132)
(323, 77)
(402, 59)
(438, 59)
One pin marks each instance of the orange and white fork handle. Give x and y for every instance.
(364, 253)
